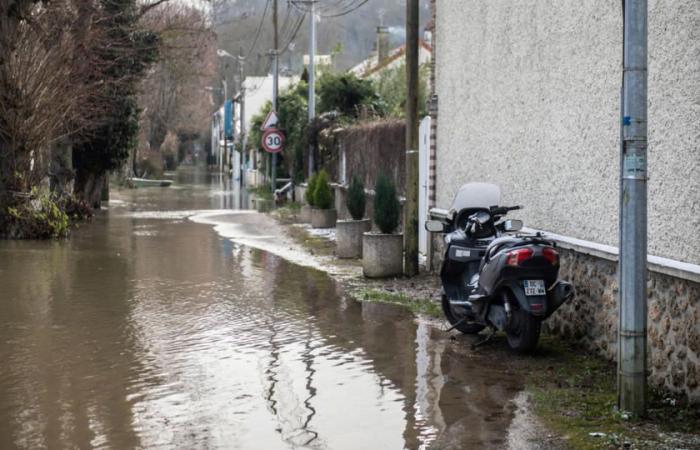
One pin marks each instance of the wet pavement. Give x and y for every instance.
(148, 330)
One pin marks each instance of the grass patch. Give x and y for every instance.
(574, 394)
(262, 192)
(316, 245)
(419, 306)
(287, 213)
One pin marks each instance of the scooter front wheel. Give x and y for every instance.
(465, 326)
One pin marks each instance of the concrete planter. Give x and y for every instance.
(323, 218)
(305, 214)
(348, 235)
(382, 255)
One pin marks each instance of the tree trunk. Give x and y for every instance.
(61, 167)
(88, 188)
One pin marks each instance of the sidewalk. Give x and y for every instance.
(571, 395)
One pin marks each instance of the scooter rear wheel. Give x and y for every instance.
(523, 332)
(467, 326)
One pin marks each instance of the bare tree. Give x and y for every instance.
(44, 90)
(174, 95)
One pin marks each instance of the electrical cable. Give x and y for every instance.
(348, 11)
(294, 35)
(257, 33)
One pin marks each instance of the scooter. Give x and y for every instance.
(493, 275)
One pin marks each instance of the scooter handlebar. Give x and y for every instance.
(502, 210)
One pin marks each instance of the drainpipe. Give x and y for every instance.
(633, 223)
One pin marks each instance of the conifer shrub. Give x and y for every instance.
(386, 205)
(323, 196)
(310, 188)
(355, 201)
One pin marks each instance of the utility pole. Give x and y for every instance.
(410, 208)
(631, 379)
(275, 86)
(312, 79)
(223, 153)
(241, 76)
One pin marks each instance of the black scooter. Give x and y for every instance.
(491, 275)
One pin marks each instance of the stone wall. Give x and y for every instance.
(673, 323)
(590, 318)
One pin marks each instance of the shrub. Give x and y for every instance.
(41, 215)
(345, 93)
(386, 205)
(355, 200)
(310, 188)
(323, 196)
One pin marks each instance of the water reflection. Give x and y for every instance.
(145, 330)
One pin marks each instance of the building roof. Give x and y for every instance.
(372, 66)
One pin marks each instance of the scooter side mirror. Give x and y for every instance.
(513, 225)
(434, 226)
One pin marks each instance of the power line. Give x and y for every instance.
(294, 35)
(347, 11)
(327, 9)
(257, 33)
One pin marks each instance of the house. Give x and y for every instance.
(527, 96)
(384, 58)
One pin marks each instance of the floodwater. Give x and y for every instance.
(147, 330)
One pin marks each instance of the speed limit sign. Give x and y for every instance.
(273, 140)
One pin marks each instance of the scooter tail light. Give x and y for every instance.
(515, 257)
(551, 255)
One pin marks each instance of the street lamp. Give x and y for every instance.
(224, 54)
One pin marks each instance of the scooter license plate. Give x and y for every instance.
(534, 287)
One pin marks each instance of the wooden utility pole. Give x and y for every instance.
(312, 77)
(410, 208)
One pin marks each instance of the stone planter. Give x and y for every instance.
(382, 255)
(305, 214)
(348, 235)
(323, 218)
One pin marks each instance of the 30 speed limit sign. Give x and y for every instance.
(273, 140)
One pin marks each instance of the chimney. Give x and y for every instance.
(382, 43)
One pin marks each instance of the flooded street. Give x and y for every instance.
(147, 330)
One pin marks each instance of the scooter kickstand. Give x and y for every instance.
(458, 323)
(475, 345)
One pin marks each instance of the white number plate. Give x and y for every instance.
(534, 287)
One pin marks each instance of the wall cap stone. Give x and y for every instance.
(666, 266)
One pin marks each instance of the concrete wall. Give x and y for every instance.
(528, 98)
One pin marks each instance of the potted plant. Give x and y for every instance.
(305, 215)
(349, 232)
(382, 253)
(323, 215)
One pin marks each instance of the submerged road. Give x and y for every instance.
(147, 330)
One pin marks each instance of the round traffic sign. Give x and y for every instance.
(273, 140)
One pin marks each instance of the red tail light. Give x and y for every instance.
(515, 257)
(551, 255)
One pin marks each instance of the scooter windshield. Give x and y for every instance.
(476, 195)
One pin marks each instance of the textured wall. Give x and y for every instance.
(529, 96)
